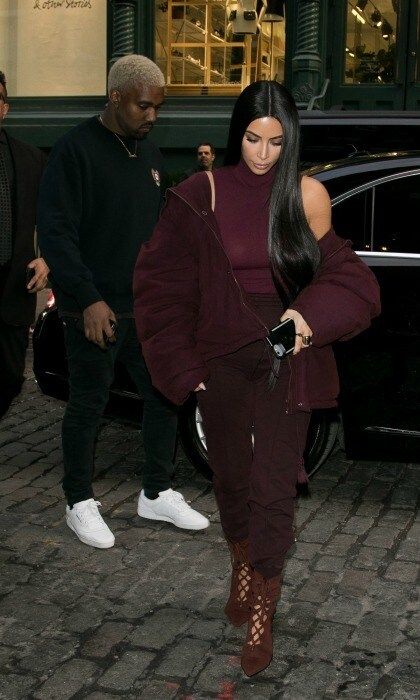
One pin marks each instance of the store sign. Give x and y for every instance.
(53, 48)
(62, 4)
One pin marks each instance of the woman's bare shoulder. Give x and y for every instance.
(317, 206)
(314, 192)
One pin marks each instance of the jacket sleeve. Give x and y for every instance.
(166, 305)
(58, 221)
(342, 299)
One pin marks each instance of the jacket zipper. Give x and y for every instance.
(289, 386)
(244, 304)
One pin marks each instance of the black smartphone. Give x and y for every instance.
(282, 338)
(30, 272)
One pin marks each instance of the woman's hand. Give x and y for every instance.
(302, 329)
(200, 387)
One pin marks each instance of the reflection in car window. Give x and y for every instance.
(340, 185)
(397, 216)
(351, 219)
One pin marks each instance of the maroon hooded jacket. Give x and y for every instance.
(190, 308)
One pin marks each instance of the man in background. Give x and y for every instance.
(206, 154)
(22, 274)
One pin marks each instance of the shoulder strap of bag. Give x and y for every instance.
(213, 190)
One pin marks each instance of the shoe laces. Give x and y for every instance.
(259, 617)
(243, 574)
(241, 567)
(262, 609)
(176, 499)
(89, 514)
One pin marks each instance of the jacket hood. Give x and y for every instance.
(195, 190)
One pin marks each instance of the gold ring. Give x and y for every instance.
(305, 338)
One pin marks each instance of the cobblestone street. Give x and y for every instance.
(145, 618)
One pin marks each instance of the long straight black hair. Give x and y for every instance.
(292, 247)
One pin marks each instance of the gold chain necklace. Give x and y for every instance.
(130, 155)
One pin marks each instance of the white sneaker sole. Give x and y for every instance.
(88, 541)
(143, 511)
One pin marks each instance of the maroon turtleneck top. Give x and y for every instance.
(242, 212)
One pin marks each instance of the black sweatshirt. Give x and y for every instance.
(96, 207)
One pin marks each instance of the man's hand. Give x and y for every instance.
(302, 329)
(40, 278)
(96, 318)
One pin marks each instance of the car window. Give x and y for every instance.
(351, 219)
(340, 185)
(330, 140)
(397, 216)
(337, 186)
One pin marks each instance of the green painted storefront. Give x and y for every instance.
(317, 59)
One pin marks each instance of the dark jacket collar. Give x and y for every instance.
(195, 191)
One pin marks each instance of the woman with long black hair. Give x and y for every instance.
(233, 254)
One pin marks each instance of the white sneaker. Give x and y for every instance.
(171, 507)
(87, 522)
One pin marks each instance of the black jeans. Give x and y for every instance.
(91, 373)
(13, 346)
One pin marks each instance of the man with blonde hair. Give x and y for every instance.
(99, 201)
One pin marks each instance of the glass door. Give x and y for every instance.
(375, 61)
(412, 97)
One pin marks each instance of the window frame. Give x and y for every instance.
(368, 214)
(215, 90)
(379, 257)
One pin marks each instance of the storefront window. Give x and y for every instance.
(370, 42)
(416, 76)
(219, 46)
(53, 48)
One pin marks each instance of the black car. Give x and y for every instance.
(338, 134)
(376, 203)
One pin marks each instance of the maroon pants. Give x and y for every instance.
(254, 481)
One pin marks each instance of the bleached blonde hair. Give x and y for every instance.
(133, 69)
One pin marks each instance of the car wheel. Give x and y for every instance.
(322, 435)
(192, 436)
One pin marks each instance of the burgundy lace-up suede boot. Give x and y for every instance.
(237, 608)
(257, 651)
